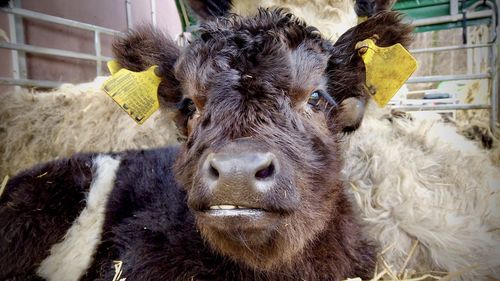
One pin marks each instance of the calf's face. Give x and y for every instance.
(262, 103)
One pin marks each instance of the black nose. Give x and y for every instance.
(240, 171)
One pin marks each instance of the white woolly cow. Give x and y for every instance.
(420, 184)
(39, 127)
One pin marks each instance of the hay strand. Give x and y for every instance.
(118, 271)
(375, 273)
(4, 184)
(423, 277)
(410, 255)
(42, 175)
(380, 275)
(387, 248)
(389, 270)
(456, 274)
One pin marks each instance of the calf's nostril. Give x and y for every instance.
(213, 171)
(265, 172)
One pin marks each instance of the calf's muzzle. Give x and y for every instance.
(234, 174)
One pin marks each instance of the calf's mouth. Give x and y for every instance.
(229, 217)
(233, 210)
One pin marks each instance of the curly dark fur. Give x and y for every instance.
(36, 209)
(207, 9)
(368, 8)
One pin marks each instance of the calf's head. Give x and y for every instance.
(262, 103)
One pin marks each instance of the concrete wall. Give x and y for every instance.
(110, 14)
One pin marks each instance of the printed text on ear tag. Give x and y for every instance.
(135, 92)
(387, 69)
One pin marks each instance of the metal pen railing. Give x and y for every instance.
(491, 74)
(97, 57)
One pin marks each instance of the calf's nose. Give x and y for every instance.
(252, 171)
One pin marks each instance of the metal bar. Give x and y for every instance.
(97, 47)
(452, 18)
(184, 13)
(128, 7)
(58, 20)
(19, 38)
(153, 12)
(29, 82)
(438, 78)
(495, 80)
(494, 89)
(51, 51)
(13, 38)
(449, 48)
(442, 107)
(453, 7)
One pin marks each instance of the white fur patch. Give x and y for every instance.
(70, 258)
(421, 181)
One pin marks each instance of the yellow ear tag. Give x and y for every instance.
(387, 69)
(113, 66)
(135, 92)
(362, 19)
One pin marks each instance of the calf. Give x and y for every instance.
(254, 193)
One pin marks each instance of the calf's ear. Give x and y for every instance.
(346, 70)
(144, 47)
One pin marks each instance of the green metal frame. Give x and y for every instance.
(451, 25)
(187, 17)
(423, 9)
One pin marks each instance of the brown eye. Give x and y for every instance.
(314, 98)
(187, 107)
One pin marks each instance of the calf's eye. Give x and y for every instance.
(187, 107)
(314, 98)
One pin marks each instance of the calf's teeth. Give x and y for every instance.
(223, 207)
(227, 207)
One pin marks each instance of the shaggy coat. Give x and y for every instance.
(332, 17)
(426, 193)
(265, 85)
(71, 119)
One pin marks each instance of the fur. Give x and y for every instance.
(149, 228)
(419, 180)
(32, 214)
(332, 17)
(209, 9)
(71, 257)
(40, 127)
(368, 8)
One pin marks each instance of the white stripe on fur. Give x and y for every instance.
(70, 258)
